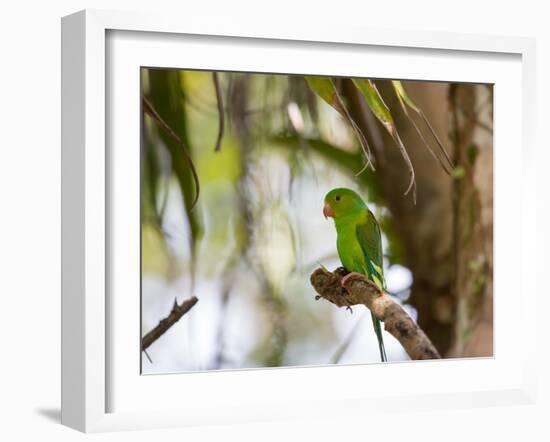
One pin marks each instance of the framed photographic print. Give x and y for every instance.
(260, 220)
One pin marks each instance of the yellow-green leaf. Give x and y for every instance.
(376, 103)
(404, 97)
(381, 111)
(324, 87)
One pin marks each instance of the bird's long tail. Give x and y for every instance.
(378, 331)
(376, 275)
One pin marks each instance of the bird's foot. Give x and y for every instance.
(349, 275)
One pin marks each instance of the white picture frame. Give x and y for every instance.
(94, 333)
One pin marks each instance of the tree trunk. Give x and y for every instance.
(473, 208)
(446, 233)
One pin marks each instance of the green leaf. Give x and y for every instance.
(381, 111)
(324, 87)
(376, 103)
(404, 98)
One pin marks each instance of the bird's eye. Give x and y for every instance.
(337, 198)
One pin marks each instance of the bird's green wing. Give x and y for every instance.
(370, 239)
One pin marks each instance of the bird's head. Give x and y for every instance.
(342, 202)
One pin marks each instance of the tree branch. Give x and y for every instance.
(359, 290)
(175, 314)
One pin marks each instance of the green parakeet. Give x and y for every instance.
(359, 242)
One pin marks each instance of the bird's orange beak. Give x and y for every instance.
(327, 211)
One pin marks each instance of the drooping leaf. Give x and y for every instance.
(404, 97)
(150, 178)
(376, 103)
(407, 102)
(167, 109)
(381, 111)
(221, 111)
(152, 222)
(150, 110)
(326, 89)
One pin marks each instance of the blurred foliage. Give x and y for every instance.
(266, 148)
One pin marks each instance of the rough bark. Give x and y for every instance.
(473, 212)
(357, 289)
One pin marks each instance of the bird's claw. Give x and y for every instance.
(345, 278)
(344, 291)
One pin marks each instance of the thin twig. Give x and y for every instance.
(178, 310)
